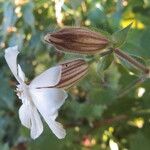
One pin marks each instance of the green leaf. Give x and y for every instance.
(138, 43)
(75, 4)
(119, 37)
(4, 147)
(139, 142)
(6, 94)
(28, 14)
(46, 141)
(145, 42)
(16, 39)
(85, 110)
(9, 16)
(102, 97)
(104, 63)
(89, 111)
(113, 76)
(98, 19)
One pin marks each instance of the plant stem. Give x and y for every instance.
(97, 123)
(110, 121)
(132, 61)
(109, 51)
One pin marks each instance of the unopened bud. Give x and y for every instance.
(72, 72)
(77, 40)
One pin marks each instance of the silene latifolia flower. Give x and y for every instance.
(45, 93)
(77, 40)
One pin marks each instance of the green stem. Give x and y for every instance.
(109, 51)
(132, 61)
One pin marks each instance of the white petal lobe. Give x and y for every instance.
(37, 125)
(56, 128)
(21, 73)
(50, 77)
(11, 54)
(24, 116)
(48, 100)
(30, 118)
(54, 116)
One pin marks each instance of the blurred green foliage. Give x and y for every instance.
(96, 115)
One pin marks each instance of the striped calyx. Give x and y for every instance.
(77, 40)
(72, 72)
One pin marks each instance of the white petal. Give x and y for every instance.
(25, 116)
(11, 54)
(48, 100)
(50, 77)
(36, 124)
(56, 128)
(54, 116)
(30, 118)
(21, 73)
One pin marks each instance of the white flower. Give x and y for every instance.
(37, 98)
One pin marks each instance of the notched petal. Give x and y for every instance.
(57, 129)
(36, 124)
(25, 116)
(30, 118)
(48, 100)
(50, 77)
(21, 73)
(11, 54)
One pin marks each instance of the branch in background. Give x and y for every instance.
(97, 124)
(109, 121)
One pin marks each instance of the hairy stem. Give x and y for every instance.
(132, 61)
(109, 51)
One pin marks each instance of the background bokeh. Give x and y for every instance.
(100, 112)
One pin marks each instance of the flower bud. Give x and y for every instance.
(72, 72)
(77, 40)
